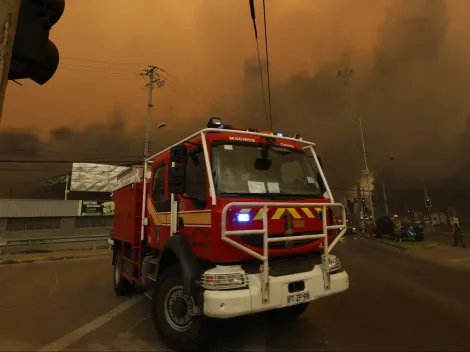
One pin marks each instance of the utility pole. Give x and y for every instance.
(429, 209)
(152, 72)
(67, 190)
(367, 170)
(385, 197)
(8, 20)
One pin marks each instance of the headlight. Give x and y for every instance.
(224, 281)
(334, 264)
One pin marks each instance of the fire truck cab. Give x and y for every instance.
(228, 222)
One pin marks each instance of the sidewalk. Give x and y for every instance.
(56, 255)
(451, 257)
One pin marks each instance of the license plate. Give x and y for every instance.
(297, 298)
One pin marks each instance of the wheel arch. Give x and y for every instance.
(177, 250)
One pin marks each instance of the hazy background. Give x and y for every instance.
(410, 83)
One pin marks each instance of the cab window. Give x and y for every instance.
(158, 187)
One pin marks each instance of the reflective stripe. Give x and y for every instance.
(278, 213)
(295, 214)
(308, 212)
(259, 214)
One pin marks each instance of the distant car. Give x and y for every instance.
(350, 230)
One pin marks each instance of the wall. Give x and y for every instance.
(25, 208)
(31, 218)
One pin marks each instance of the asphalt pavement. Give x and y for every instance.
(395, 303)
(447, 238)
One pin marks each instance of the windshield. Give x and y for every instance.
(254, 169)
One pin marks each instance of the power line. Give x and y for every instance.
(97, 161)
(253, 17)
(267, 63)
(133, 67)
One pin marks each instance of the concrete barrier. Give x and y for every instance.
(48, 244)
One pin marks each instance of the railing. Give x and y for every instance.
(46, 241)
(266, 240)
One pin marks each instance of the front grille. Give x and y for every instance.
(285, 265)
(257, 240)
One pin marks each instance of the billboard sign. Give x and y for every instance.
(96, 208)
(87, 177)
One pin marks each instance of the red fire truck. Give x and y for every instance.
(228, 222)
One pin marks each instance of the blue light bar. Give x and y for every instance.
(243, 217)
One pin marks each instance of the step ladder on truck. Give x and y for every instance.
(228, 222)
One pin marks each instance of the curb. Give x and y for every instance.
(53, 258)
(392, 244)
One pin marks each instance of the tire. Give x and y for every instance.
(122, 286)
(288, 313)
(190, 333)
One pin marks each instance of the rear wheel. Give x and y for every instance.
(122, 286)
(173, 317)
(288, 313)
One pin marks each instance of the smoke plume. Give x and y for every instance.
(410, 92)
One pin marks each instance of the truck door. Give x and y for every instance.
(193, 207)
(159, 206)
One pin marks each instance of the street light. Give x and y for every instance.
(366, 170)
(161, 125)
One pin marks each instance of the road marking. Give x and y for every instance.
(72, 337)
(459, 260)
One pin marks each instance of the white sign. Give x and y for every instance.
(87, 177)
(256, 187)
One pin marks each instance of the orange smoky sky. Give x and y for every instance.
(203, 44)
(410, 81)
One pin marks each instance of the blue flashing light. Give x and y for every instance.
(243, 217)
(279, 134)
(221, 127)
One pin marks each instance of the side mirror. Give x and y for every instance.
(177, 180)
(321, 183)
(179, 154)
(177, 173)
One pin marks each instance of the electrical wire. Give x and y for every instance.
(267, 64)
(253, 17)
(134, 67)
(97, 161)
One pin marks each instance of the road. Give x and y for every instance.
(395, 303)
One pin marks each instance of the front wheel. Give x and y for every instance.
(173, 317)
(288, 313)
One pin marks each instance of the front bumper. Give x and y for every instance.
(234, 303)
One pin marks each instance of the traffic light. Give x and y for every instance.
(363, 200)
(34, 56)
(427, 202)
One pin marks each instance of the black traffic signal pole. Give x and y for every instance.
(8, 19)
(34, 56)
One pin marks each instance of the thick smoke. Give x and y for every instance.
(108, 143)
(412, 98)
(411, 95)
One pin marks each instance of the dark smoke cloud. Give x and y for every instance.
(412, 97)
(411, 94)
(105, 142)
